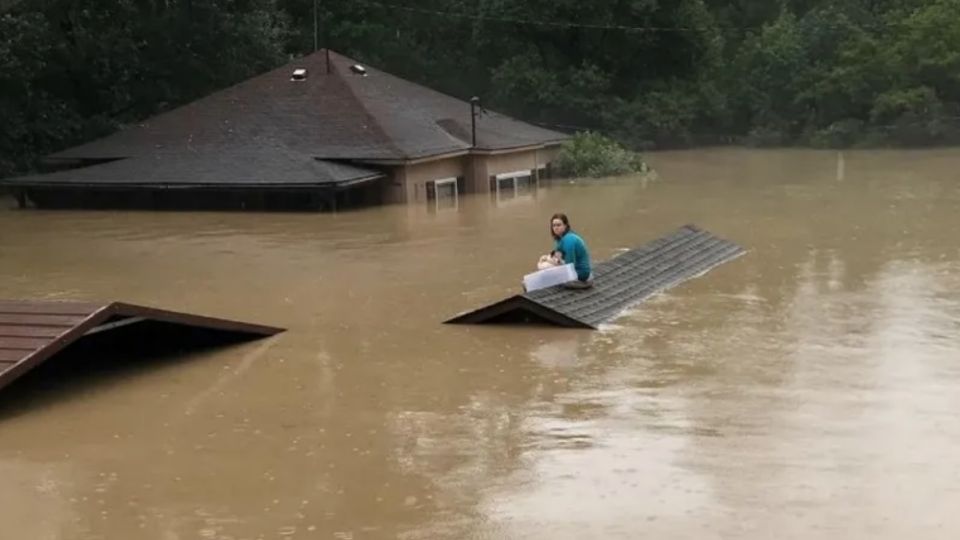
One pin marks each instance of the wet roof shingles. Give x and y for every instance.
(623, 281)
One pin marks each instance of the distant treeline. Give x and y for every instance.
(647, 72)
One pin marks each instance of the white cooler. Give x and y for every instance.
(549, 277)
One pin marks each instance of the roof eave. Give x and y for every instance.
(414, 160)
(511, 149)
(188, 186)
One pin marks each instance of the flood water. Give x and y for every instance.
(809, 389)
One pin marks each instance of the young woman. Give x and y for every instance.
(573, 248)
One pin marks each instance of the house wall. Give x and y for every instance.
(419, 174)
(394, 186)
(505, 163)
(485, 166)
(549, 155)
(407, 183)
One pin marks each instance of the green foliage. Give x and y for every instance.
(70, 72)
(778, 64)
(840, 134)
(646, 72)
(593, 155)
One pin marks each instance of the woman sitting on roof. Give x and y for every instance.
(573, 249)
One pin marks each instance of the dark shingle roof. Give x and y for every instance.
(318, 117)
(272, 130)
(619, 283)
(261, 169)
(422, 122)
(340, 115)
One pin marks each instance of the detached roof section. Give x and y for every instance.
(619, 283)
(32, 331)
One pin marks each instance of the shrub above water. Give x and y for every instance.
(590, 154)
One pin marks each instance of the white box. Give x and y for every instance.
(549, 277)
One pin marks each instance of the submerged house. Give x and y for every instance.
(319, 133)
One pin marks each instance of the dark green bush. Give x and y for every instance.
(593, 155)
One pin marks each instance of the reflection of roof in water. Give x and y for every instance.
(618, 283)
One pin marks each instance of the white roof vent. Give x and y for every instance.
(299, 74)
(359, 70)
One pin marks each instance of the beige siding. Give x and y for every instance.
(395, 186)
(492, 165)
(547, 155)
(506, 163)
(408, 183)
(418, 175)
(479, 172)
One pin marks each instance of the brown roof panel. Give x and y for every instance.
(49, 307)
(31, 331)
(9, 330)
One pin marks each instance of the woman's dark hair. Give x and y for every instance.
(566, 223)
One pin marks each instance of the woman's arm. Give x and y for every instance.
(569, 250)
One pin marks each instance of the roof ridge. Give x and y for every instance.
(363, 106)
(339, 111)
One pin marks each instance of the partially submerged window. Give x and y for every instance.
(444, 193)
(543, 172)
(523, 185)
(507, 186)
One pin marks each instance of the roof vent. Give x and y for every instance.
(358, 69)
(299, 74)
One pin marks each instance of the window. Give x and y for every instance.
(506, 189)
(507, 186)
(523, 185)
(543, 171)
(444, 193)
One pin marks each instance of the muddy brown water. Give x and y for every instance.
(809, 389)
